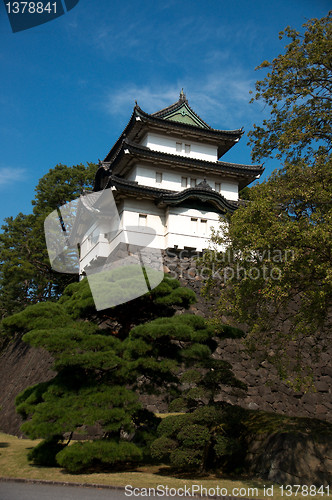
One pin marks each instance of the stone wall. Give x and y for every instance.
(20, 367)
(265, 389)
(291, 458)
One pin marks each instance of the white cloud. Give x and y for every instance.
(115, 42)
(9, 175)
(220, 98)
(150, 98)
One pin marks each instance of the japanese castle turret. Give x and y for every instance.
(166, 173)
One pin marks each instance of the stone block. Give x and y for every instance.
(327, 370)
(291, 458)
(321, 410)
(323, 385)
(253, 406)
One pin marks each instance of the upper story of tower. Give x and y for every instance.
(174, 143)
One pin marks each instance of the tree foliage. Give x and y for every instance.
(187, 343)
(61, 185)
(277, 271)
(26, 276)
(99, 374)
(219, 437)
(211, 436)
(297, 90)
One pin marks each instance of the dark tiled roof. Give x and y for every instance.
(201, 194)
(214, 166)
(133, 186)
(237, 133)
(121, 165)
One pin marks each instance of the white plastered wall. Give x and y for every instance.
(188, 227)
(172, 180)
(167, 144)
(172, 227)
(95, 244)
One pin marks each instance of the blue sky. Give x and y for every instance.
(68, 87)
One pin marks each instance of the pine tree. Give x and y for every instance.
(100, 374)
(95, 381)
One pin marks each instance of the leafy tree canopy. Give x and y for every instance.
(297, 90)
(62, 184)
(26, 276)
(277, 266)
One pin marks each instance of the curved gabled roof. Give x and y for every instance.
(205, 195)
(164, 197)
(189, 127)
(187, 160)
(179, 110)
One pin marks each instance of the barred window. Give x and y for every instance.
(159, 177)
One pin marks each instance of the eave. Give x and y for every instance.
(129, 154)
(164, 197)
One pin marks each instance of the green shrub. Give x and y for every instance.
(210, 436)
(178, 405)
(230, 332)
(170, 426)
(44, 315)
(77, 300)
(169, 292)
(194, 436)
(186, 459)
(207, 415)
(146, 424)
(225, 445)
(45, 452)
(162, 447)
(89, 454)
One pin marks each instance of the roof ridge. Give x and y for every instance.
(173, 107)
(182, 99)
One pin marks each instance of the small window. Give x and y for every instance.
(142, 218)
(218, 187)
(194, 224)
(204, 226)
(184, 182)
(159, 177)
(179, 147)
(192, 183)
(187, 148)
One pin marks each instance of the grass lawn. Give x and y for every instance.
(14, 464)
